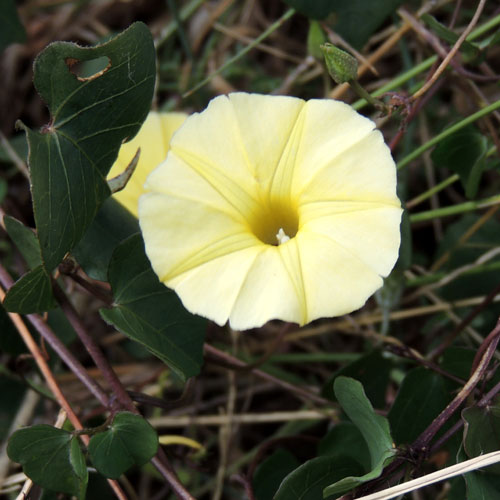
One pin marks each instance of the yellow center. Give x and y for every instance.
(275, 223)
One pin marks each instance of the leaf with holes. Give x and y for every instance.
(50, 457)
(91, 115)
(130, 440)
(152, 314)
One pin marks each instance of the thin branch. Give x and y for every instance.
(451, 54)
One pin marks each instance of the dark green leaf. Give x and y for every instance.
(12, 394)
(130, 440)
(314, 9)
(3, 189)
(10, 340)
(148, 312)
(373, 427)
(11, 29)
(31, 294)
(90, 117)
(346, 440)
(481, 485)
(25, 240)
(271, 472)
(482, 431)
(420, 399)
(463, 153)
(357, 20)
(50, 457)
(372, 371)
(468, 49)
(112, 224)
(308, 481)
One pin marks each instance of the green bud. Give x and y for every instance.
(340, 64)
(315, 38)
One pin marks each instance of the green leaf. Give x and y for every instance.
(372, 370)
(315, 38)
(354, 480)
(271, 472)
(482, 485)
(112, 224)
(482, 431)
(50, 457)
(420, 399)
(10, 340)
(130, 440)
(25, 240)
(467, 48)
(314, 9)
(464, 153)
(346, 440)
(373, 427)
(11, 29)
(148, 312)
(31, 293)
(357, 20)
(308, 481)
(90, 118)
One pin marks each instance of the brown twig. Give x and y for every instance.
(52, 384)
(451, 53)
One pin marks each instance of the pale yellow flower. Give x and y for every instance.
(153, 138)
(271, 207)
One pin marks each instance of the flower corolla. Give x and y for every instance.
(271, 207)
(153, 139)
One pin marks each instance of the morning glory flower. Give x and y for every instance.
(153, 138)
(271, 207)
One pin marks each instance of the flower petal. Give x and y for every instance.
(153, 139)
(363, 172)
(372, 234)
(336, 282)
(265, 125)
(329, 129)
(210, 144)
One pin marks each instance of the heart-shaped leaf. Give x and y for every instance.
(32, 293)
(50, 457)
(152, 314)
(90, 118)
(130, 440)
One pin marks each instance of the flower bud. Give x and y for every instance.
(340, 64)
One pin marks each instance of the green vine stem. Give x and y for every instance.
(430, 192)
(460, 208)
(271, 29)
(424, 65)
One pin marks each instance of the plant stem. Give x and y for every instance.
(430, 192)
(271, 29)
(62, 351)
(454, 128)
(460, 208)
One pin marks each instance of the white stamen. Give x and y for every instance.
(282, 237)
